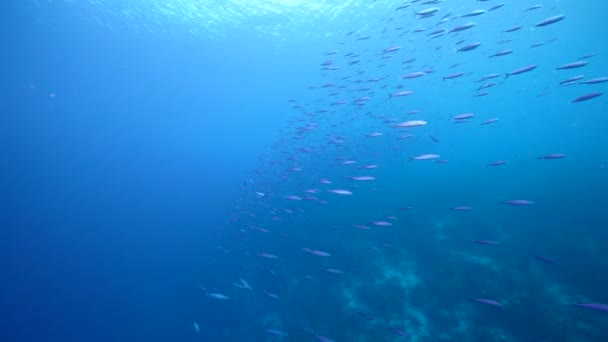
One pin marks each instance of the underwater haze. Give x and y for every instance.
(291, 170)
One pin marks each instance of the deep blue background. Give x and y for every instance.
(111, 189)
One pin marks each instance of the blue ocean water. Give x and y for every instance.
(186, 170)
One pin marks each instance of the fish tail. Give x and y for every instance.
(507, 75)
(389, 96)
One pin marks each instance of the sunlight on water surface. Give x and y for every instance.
(268, 17)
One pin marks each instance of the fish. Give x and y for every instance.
(469, 47)
(272, 295)
(550, 20)
(496, 163)
(414, 75)
(543, 258)
(543, 93)
(552, 156)
(533, 7)
(593, 306)
(276, 332)
(243, 284)
(362, 178)
(486, 86)
(485, 242)
(400, 93)
(572, 65)
(323, 338)
(486, 301)
(266, 255)
(381, 223)
(501, 53)
(197, 329)
(489, 121)
(587, 97)
(518, 202)
(571, 80)
(461, 208)
(391, 49)
(474, 13)
(218, 296)
(411, 123)
(340, 192)
(437, 32)
(488, 77)
(334, 271)
(465, 116)
(512, 29)
(462, 27)
(427, 12)
(596, 80)
(425, 157)
(589, 55)
(522, 70)
(320, 253)
(494, 8)
(361, 226)
(452, 76)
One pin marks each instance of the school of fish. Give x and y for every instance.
(317, 227)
